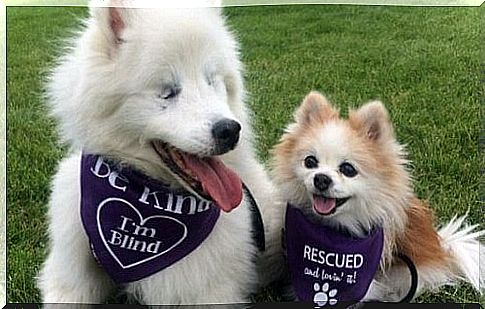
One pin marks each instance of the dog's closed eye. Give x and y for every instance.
(170, 92)
(214, 80)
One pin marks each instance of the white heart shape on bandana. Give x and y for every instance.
(142, 222)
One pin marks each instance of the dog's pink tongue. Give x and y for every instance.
(222, 184)
(323, 205)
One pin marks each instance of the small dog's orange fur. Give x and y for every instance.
(420, 241)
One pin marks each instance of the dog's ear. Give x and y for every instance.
(112, 17)
(315, 108)
(373, 119)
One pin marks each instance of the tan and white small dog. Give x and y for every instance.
(350, 174)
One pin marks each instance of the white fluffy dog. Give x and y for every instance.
(158, 91)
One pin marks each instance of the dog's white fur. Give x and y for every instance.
(107, 93)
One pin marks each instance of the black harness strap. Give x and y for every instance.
(414, 278)
(256, 220)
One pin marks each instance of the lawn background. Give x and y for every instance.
(423, 63)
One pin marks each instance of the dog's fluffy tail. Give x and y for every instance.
(444, 257)
(465, 258)
(467, 254)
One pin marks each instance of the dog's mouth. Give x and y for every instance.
(327, 205)
(208, 177)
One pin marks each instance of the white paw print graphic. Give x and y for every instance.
(323, 295)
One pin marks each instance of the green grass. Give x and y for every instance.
(423, 63)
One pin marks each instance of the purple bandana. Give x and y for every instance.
(138, 226)
(328, 267)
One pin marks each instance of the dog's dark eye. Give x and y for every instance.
(348, 169)
(311, 162)
(171, 93)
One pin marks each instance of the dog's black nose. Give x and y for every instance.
(226, 135)
(322, 182)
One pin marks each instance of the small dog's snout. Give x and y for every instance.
(226, 135)
(322, 182)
